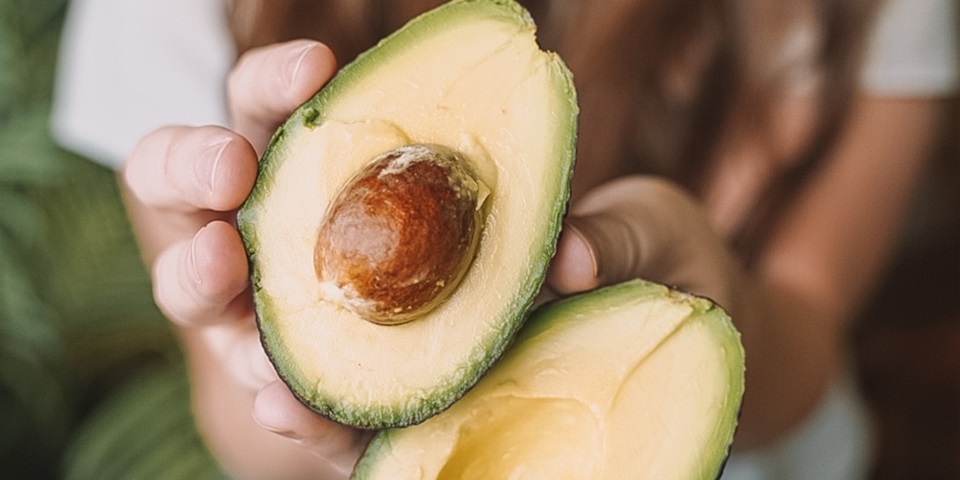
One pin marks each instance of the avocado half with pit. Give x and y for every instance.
(631, 381)
(402, 219)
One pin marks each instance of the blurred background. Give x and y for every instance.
(92, 384)
(91, 381)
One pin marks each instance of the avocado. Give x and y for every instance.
(631, 381)
(403, 218)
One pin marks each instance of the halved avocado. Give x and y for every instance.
(631, 381)
(467, 77)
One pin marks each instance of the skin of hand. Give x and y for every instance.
(182, 188)
(641, 225)
(649, 227)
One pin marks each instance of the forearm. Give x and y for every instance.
(825, 258)
(790, 360)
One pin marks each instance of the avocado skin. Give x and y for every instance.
(313, 114)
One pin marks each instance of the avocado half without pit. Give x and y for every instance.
(403, 218)
(634, 381)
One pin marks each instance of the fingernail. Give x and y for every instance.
(584, 244)
(285, 433)
(295, 62)
(575, 267)
(194, 272)
(209, 162)
(270, 412)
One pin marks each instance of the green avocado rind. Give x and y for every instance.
(313, 113)
(583, 307)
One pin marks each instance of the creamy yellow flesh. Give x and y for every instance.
(644, 393)
(417, 96)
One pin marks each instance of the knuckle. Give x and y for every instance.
(267, 82)
(247, 62)
(145, 157)
(167, 292)
(234, 82)
(663, 190)
(245, 74)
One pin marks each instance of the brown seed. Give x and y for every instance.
(399, 236)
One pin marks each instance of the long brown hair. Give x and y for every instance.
(659, 81)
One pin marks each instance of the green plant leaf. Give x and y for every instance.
(144, 431)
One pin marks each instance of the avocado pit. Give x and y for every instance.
(399, 236)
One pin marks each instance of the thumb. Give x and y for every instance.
(588, 243)
(640, 227)
(277, 410)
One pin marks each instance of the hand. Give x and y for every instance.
(644, 227)
(185, 184)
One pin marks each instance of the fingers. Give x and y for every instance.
(202, 282)
(199, 281)
(191, 169)
(237, 347)
(277, 410)
(605, 237)
(640, 227)
(270, 82)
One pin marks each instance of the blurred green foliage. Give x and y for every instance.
(92, 384)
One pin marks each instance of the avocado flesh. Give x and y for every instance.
(631, 381)
(470, 76)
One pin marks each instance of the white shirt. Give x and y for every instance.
(129, 66)
(913, 50)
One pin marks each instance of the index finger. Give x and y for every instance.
(268, 83)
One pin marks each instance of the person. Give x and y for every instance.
(728, 148)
